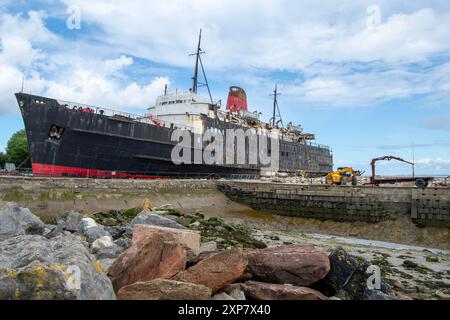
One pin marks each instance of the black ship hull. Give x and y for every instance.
(67, 142)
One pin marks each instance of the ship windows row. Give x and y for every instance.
(174, 102)
(293, 148)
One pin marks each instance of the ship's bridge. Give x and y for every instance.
(182, 108)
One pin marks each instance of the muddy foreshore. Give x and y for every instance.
(415, 261)
(49, 197)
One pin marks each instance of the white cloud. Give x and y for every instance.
(115, 65)
(30, 28)
(337, 87)
(403, 37)
(10, 79)
(18, 51)
(322, 43)
(299, 36)
(88, 87)
(85, 79)
(269, 34)
(433, 165)
(433, 162)
(423, 166)
(16, 37)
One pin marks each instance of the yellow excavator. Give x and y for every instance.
(343, 176)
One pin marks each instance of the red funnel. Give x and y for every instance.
(237, 100)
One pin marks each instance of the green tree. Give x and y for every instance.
(17, 149)
(2, 159)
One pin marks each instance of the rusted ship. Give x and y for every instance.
(73, 139)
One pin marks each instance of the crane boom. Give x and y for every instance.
(421, 182)
(386, 158)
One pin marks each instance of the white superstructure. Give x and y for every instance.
(182, 109)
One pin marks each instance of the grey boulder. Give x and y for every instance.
(106, 263)
(95, 233)
(123, 243)
(105, 248)
(92, 231)
(222, 296)
(235, 291)
(18, 221)
(52, 231)
(116, 232)
(71, 221)
(148, 217)
(33, 267)
(377, 295)
(128, 231)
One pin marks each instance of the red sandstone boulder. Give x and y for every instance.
(161, 289)
(269, 291)
(154, 253)
(202, 256)
(217, 271)
(189, 239)
(300, 265)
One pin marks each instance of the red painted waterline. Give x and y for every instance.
(60, 171)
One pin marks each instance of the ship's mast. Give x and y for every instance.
(198, 61)
(197, 55)
(275, 93)
(276, 108)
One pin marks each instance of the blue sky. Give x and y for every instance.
(369, 78)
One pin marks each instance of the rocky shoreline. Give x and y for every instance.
(149, 253)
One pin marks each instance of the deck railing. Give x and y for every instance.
(319, 145)
(148, 119)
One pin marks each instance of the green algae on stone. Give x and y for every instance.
(216, 229)
(16, 195)
(116, 217)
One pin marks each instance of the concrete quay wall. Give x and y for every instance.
(429, 207)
